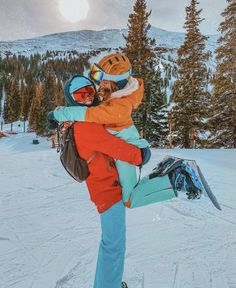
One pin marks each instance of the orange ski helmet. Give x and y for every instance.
(115, 64)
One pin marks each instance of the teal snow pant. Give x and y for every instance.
(148, 191)
(110, 261)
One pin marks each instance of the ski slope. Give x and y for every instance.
(49, 230)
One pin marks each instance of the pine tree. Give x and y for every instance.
(27, 92)
(190, 92)
(59, 96)
(37, 119)
(223, 121)
(157, 124)
(139, 47)
(44, 101)
(32, 116)
(49, 89)
(23, 112)
(13, 101)
(140, 50)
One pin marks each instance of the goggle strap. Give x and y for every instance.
(116, 77)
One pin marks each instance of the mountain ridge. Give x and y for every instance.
(85, 40)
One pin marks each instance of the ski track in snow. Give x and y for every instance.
(50, 231)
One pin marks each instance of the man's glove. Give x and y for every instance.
(146, 155)
(52, 122)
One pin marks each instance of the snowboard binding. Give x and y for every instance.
(181, 175)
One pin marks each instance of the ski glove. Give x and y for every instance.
(52, 122)
(146, 155)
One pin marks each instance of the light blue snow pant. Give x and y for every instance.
(110, 261)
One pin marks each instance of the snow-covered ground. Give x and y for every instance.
(50, 231)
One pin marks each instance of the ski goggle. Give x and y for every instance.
(84, 95)
(97, 74)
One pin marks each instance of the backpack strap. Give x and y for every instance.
(58, 140)
(92, 157)
(61, 129)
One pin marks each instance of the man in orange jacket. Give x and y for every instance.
(99, 148)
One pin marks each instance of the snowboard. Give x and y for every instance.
(200, 179)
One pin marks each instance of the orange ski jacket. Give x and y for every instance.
(103, 181)
(115, 113)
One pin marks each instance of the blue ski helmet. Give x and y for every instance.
(75, 83)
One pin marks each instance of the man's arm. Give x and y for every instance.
(98, 139)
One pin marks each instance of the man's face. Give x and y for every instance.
(84, 95)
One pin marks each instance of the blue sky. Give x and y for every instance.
(30, 18)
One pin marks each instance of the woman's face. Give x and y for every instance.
(106, 88)
(105, 84)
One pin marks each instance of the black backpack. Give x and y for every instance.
(70, 158)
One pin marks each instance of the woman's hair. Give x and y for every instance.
(105, 92)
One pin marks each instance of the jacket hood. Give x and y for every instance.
(130, 87)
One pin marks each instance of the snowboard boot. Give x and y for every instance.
(181, 175)
(185, 179)
(124, 285)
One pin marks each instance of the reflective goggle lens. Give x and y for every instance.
(96, 73)
(84, 94)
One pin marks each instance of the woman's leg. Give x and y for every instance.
(127, 178)
(147, 191)
(110, 262)
(150, 191)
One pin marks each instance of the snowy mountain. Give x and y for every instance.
(50, 231)
(85, 40)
